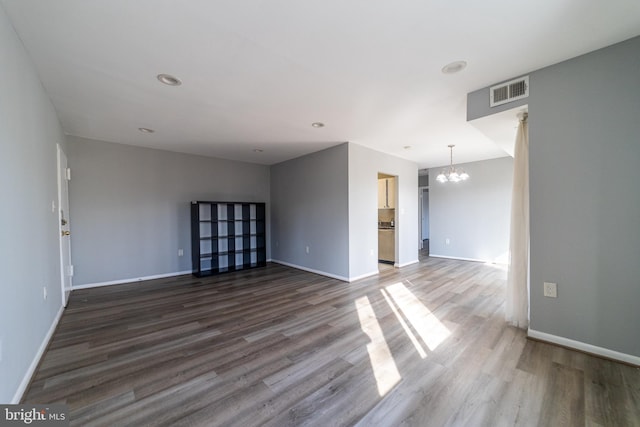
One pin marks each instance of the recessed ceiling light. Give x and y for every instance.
(258, 150)
(146, 130)
(407, 147)
(317, 124)
(169, 80)
(454, 67)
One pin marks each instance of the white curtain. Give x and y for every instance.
(517, 302)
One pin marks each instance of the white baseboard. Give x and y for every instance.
(587, 348)
(486, 261)
(137, 279)
(311, 270)
(415, 261)
(458, 258)
(362, 276)
(17, 397)
(334, 276)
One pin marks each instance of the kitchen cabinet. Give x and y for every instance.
(386, 245)
(227, 236)
(386, 193)
(391, 193)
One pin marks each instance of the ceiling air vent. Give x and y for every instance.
(509, 91)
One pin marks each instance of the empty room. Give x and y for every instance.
(409, 213)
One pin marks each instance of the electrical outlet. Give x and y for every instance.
(371, 252)
(180, 252)
(44, 292)
(53, 206)
(447, 241)
(307, 249)
(550, 290)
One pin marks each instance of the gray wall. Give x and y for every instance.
(585, 202)
(29, 246)
(585, 199)
(309, 207)
(474, 215)
(364, 165)
(329, 201)
(130, 206)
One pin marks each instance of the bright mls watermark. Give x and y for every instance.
(54, 415)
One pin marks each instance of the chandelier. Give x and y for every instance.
(452, 174)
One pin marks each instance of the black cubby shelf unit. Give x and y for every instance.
(227, 236)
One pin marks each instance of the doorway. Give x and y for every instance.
(423, 229)
(387, 192)
(66, 268)
(424, 219)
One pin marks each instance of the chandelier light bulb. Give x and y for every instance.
(452, 174)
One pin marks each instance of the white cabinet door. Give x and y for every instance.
(381, 194)
(386, 193)
(391, 195)
(386, 245)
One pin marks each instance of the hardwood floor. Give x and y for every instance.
(425, 345)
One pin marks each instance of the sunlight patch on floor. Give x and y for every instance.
(406, 327)
(426, 324)
(503, 267)
(501, 262)
(384, 367)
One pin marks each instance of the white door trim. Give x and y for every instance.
(63, 214)
(420, 214)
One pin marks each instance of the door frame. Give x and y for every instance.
(64, 268)
(396, 197)
(420, 213)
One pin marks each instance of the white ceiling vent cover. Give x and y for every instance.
(509, 91)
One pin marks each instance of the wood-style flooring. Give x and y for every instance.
(425, 345)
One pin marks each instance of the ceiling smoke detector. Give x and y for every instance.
(317, 124)
(146, 130)
(454, 67)
(169, 80)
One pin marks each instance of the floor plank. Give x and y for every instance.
(425, 345)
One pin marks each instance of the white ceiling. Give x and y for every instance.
(502, 127)
(257, 73)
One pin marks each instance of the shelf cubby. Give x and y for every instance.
(227, 236)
